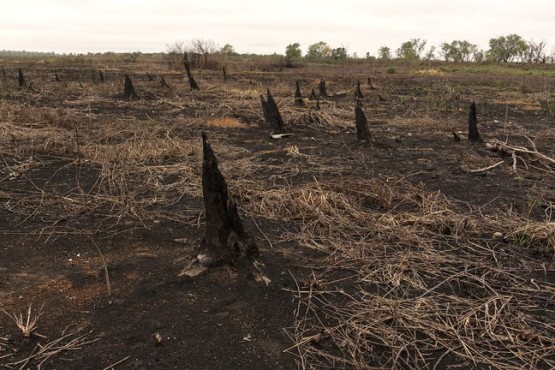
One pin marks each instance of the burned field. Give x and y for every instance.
(404, 245)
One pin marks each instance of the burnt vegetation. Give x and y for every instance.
(313, 247)
(128, 89)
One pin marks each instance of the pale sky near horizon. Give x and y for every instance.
(265, 27)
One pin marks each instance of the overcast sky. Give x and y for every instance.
(265, 26)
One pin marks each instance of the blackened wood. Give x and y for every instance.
(322, 87)
(224, 72)
(358, 91)
(163, 82)
(312, 96)
(363, 134)
(225, 241)
(369, 83)
(299, 102)
(101, 76)
(150, 78)
(192, 82)
(265, 111)
(56, 75)
(21, 78)
(276, 121)
(473, 134)
(128, 89)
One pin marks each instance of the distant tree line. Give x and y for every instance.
(203, 53)
(23, 53)
(502, 49)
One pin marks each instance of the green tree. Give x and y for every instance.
(319, 50)
(458, 51)
(293, 51)
(384, 53)
(339, 53)
(507, 49)
(228, 49)
(411, 50)
(479, 55)
(430, 54)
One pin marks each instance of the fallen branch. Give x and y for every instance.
(467, 170)
(498, 146)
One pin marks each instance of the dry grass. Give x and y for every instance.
(27, 324)
(225, 122)
(411, 279)
(432, 72)
(67, 342)
(423, 283)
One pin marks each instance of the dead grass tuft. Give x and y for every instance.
(225, 122)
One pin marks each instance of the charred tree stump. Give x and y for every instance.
(93, 77)
(101, 76)
(187, 65)
(322, 87)
(473, 134)
(21, 78)
(369, 83)
(299, 102)
(128, 89)
(312, 96)
(224, 72)
(56, 76)
(163, 82)
(358, 91)
(265, 110)
(363, 134)
(274, 117)
(150, 79)
(225, 242)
